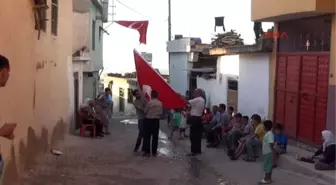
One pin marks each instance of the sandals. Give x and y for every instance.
(263, 181)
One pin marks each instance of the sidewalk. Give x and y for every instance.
(110, 161)
(289, 161)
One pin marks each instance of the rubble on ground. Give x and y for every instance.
(231, 38)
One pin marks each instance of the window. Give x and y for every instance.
(93, 34)
(129, 95)
(233, 85)
(54, 16)
(110, 85)
(100, 32)
(40, 15)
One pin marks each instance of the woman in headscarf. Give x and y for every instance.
(102, 108)
(88, 115)
(324, 158)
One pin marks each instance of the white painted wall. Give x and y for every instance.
(78, 66)
(252, 71)
(179, 78)
(253, 86)
(216, 89)
(71, 113)
(179, 45)
(121, 83)
(90, 85)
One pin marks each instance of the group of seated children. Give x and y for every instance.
(250, 138)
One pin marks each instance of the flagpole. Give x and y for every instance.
(169, 33)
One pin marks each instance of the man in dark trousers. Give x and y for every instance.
(139, 104)
(195, 121)
(153, 112)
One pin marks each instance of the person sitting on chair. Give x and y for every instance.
(88, 115)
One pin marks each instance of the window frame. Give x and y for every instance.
(93, 35)
(54, 17)
(41, 15)
(130, 97)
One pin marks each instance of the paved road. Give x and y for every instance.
(110, 161)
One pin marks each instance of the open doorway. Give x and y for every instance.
(121, 100)
(76, 100)
(232, 94)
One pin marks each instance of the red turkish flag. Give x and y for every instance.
(149, 80)
(140, 26)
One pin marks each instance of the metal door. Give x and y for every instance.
(287, 92)
(301, 94)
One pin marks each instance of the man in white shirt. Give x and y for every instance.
(195, 121)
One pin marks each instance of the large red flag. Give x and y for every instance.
(141, 26)
(149, 79)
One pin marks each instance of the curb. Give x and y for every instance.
(288, 163)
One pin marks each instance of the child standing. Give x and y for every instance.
(176, 122)
(267, 149)
(280, 140)
(183, 124)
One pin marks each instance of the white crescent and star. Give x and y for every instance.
(147, 90)
(134, 24)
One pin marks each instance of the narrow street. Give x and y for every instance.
(110, 161)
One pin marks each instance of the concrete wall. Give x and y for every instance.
(253, 86)
(78, 67)
(288, 9)
(331, 121)
(37, 94)
(90, 85)
(80, 32)
(217, 89)
(252, 71)
(213, 91)
(96, 56)
(179, 45)
(179, 75)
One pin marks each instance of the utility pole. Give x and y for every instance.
(113, 10)
(169, 20)
(169, 34)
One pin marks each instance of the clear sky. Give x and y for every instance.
(191, 18)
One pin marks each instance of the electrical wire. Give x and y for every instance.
(135, 11)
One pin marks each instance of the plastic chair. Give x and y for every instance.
(85, 126)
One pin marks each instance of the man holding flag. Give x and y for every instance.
(153, 112)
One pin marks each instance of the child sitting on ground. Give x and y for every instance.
(245, 120)
(280, 139)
